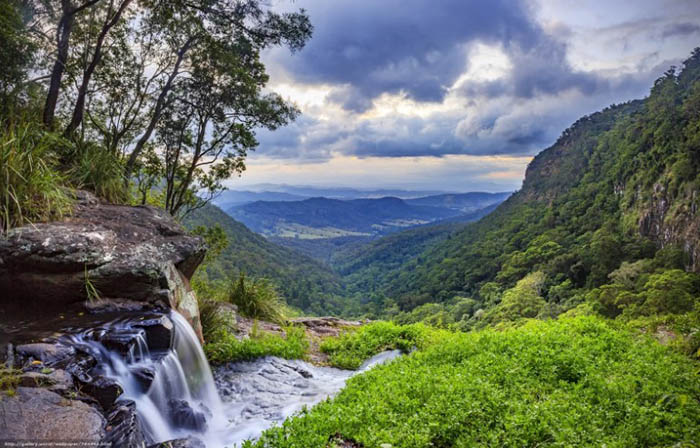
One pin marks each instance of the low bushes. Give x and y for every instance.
(564, 383)
(353, 347)
(228, 348)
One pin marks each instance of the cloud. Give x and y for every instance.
(392, 46)
(460, 79)
(680, 29)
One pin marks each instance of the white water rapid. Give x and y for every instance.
(176, 395)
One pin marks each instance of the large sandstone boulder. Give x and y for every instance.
(130, 255)
(36, 414)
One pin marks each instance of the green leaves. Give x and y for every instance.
(574, 382)
(230, 349)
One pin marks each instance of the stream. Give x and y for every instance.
(177, 395)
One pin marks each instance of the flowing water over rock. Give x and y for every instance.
(175, 394)
(264, 392)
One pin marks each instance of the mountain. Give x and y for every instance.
(308, 191)
(232, 198)
(318, 218)
(619, 186)
(304, 282)
(462, 202)
(365, 264)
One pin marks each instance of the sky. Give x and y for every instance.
(455, 95)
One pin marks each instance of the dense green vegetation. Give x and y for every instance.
(616, 193)
(353, 347)
(303, 283)
(571, 382)
(227, 348)
(136, 101)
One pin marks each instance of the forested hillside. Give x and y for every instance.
(607, 216)
(303, 282)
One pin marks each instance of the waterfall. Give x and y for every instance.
(181, 400)
(176, 396)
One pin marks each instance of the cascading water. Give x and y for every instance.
(181, 399)
(175, 394)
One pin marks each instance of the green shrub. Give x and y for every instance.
(93, 167)
(257, 299)
(215, 322)
(230, 349)
(566, 383)
(31, 188)
(9, 378)
(353, 347)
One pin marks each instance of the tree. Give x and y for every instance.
(16, 52)
(225, 26)
(113, 13)
(211, 122)
(63, 30)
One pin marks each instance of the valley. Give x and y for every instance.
(349, 224)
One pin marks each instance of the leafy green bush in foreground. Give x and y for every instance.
(352, 348)
(228, 348)
(566, 383)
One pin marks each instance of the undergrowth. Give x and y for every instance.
(354, 346)
(31, 188)
(227, 348)
(565, 383)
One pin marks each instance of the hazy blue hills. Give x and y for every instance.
(328, 218)
(463, 202)
(324, 218)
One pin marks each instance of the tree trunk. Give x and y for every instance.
(79, 109)
(65, 26)
(63, 31)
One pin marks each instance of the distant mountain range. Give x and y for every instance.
(285, 193)
(323, 218)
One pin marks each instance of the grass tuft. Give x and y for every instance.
(257, 299)
(31, 188)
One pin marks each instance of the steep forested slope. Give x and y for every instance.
(305, 283)
(617, 186)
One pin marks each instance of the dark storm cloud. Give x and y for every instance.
(680, 29)
(364, 48)
(543, 69)
(416, 47)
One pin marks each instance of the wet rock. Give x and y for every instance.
(124, 428)
(159, 332)
(38, 414)
(125, 252)
(120, 341)
(185, 417)
(181, 297)
(104, 390)
(57, 381)
(189, 442)
(45, 352)
(80, 367)
(144, 376)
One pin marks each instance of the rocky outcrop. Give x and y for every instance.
(673, 221)
(35, 414)
(111, 256)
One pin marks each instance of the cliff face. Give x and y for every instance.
(673, 222)
(108, 257)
